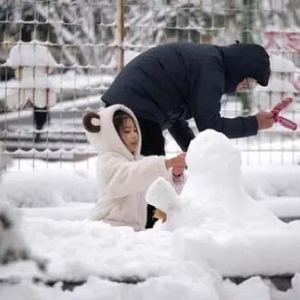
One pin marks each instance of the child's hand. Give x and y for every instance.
(177, 175)
(176, 162)
(177, 171)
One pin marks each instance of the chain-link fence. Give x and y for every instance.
(58, 57)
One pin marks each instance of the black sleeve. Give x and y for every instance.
(182, 134)
(206, 106)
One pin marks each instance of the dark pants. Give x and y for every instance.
(40, 117)
(153, 143)
(182, 134)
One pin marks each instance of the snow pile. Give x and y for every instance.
(225, 227)
(262, 182)
(103, 255)
(48, 188)
(213, 192)
(95, 289)
(277, 187)
(67, 211)
(50, 185)
(82, 250)
(215, 183)
(12, 244)
(154, 288)
(217, 229)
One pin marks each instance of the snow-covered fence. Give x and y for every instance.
(91, 40)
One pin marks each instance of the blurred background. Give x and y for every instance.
(58, 57)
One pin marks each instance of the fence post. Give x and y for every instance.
(247, 37)
(120, 34)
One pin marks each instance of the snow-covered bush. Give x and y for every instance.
(3, 162)
(12, 244)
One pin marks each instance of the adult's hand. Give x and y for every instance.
(265, 120)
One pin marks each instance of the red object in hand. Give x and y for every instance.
(283, 121)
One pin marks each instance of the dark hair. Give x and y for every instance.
(119, 120)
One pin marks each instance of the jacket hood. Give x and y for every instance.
(243, 61)
(103, 136)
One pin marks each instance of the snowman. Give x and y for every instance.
(213, 195)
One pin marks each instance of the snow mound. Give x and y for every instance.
(213, 193)
(162, 196)
(12, 244)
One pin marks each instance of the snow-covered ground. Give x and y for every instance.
(219, 231)
(55, 200)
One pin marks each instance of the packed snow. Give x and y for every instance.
(217, 227)
(223, 218)
(226, 233)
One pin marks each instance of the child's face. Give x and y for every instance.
(129, 135)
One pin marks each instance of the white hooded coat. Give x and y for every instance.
(123, 177)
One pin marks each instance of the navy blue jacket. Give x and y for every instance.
(172, 83)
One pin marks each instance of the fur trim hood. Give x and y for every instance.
(103, 136)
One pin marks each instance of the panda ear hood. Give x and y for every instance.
(101, 132)
(91, 122)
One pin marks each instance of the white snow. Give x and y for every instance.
(277, 86)
(281, 64)
(30, 54)
(227, 234)
(54, 200)
(281, 84)
(49, 188)
(12, 244)
(33, 63)
(227, 228)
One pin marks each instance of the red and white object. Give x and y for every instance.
(283, 121)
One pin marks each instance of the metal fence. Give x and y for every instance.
(58, 57)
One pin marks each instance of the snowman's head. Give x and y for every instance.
(213, 156)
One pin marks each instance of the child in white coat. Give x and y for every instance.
(123, 175)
